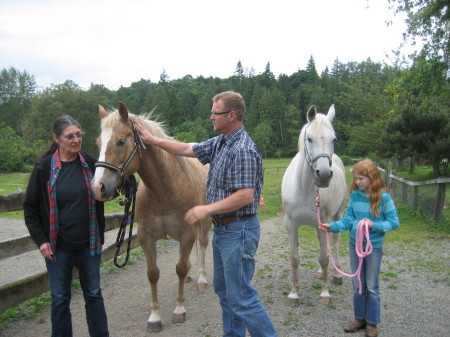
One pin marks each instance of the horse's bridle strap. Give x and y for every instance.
(138, 144)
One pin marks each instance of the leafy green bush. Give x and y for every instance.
(347, 160)
(14, 151)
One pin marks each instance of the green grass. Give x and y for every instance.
(421, 173)
(27, 310)
(9, 182)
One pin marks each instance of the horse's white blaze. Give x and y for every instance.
(105, 137)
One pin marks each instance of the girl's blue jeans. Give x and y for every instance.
(234, 246)
(367, 305)
(60, 277)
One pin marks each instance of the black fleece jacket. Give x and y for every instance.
(36, 205)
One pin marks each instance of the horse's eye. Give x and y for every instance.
(120, 142)
(309, 140)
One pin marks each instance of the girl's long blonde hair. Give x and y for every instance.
(368, 168)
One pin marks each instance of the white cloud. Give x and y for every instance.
(117, 42)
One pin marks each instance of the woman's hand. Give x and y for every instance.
(46, 251)
(324, 227)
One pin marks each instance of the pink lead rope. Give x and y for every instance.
(361, 232)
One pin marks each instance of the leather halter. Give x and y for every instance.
(138, 147)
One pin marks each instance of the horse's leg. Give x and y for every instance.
(149, 247)
(182, 268)
(319, 274)
(337, 277)
(292, 230)
(325, 297)
(202, 244)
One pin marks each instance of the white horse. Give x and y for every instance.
(314, 167)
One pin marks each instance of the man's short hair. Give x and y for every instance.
(232, 101)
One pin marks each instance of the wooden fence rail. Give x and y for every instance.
(440, 194)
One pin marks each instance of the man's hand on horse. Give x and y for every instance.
(146, 136)
(195, 214)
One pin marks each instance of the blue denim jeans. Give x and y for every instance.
(234, 246)
(367, 305)
(60, 277)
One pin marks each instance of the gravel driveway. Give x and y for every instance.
(414, 302)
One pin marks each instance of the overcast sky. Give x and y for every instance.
(117, 42)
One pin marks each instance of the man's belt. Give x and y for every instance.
(229, 219)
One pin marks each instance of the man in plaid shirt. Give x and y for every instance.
(233, 190)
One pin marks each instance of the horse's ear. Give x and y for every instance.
(102, 112)
(331, 113)
(311, 114)
(123, 111)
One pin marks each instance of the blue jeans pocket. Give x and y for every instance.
(251, 240)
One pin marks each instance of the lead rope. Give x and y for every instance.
(361, 231)
(128, 219)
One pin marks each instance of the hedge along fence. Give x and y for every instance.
(27, 288)
(427, 197)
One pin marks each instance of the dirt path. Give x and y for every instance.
(414, 303)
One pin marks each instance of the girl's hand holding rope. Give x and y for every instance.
(324, 227)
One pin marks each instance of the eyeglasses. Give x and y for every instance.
(71, 137)
(213, 113)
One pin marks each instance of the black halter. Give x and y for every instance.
(138, 147)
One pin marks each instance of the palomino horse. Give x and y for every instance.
(169, 186)
(314, 167)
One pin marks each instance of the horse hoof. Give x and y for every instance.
(202, 286)
(187, 279)
(154, 326)
(293, 302)
(337, 280)
(325, 300)
(179, 318)
(319, 275)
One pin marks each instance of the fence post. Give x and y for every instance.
(439, 203)
(387, 174)
(404, 193)
(416, 198)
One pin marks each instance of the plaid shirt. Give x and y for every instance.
(95, 245)
(235, 163)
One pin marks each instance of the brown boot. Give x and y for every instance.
(356, 325)
(371, 330)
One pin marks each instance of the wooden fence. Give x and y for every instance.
(17, 292)
(400, 190)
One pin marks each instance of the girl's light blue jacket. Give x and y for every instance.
(358, 208)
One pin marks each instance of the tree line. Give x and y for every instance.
(381, 110)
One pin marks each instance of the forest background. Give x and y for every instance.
(382, 110)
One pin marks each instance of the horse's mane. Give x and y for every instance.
(155, 127)
(318, 122)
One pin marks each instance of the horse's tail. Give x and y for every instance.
(198, 233)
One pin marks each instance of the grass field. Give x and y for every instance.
(273, 174)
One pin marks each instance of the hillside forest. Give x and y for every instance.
(400, 109)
